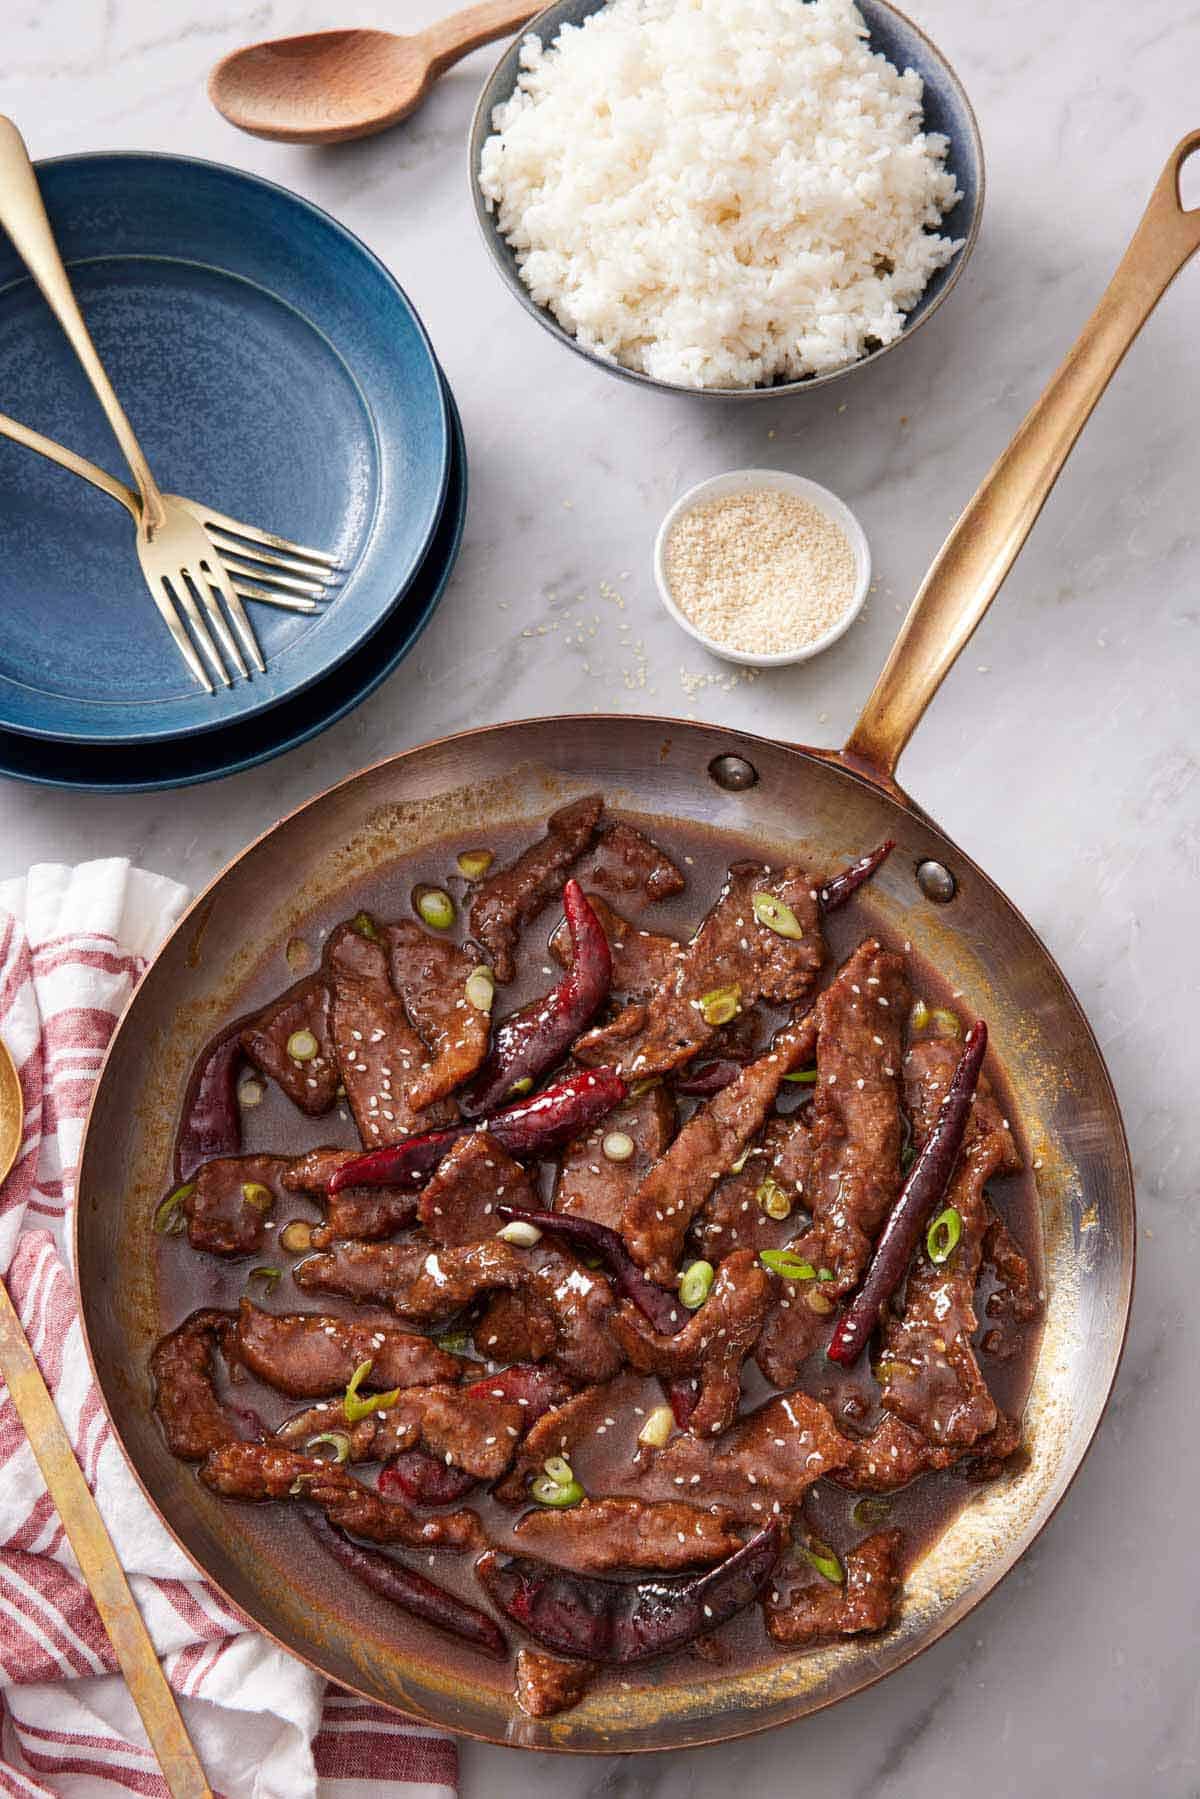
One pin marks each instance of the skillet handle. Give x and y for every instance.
(984, 543)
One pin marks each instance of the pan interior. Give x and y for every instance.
(224, 957)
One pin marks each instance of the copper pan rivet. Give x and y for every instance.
(936, 883)
(733, 773)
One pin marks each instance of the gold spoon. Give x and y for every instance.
(328, 86)
(80, 1514)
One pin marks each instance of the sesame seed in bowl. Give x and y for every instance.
(762, 567)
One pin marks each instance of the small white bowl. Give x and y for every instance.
(742, 481)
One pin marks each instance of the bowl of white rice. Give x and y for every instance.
(730, 197)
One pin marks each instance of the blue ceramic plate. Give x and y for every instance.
(138, 769)
(272, 367)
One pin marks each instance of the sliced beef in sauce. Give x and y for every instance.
(459, 1204)
(263, 1471)
(733, 1215)
(377, 1049)
(641, 960)
(515, 895)
(472, 1432)
(657, 1217)
(557, 1432)
(855, 1135)
(926, 1368)
(309, 1355)
(546, 1686)
(1015, 1302)
(624, 863)
(730, 950)
(589, 1184)
(601, 1536)
(367, 1213)
(231, 1201)
(803, 1607)
(713, 1344)
(430, 975)
(183, 1367)
(764, 1464)
(309, 1082)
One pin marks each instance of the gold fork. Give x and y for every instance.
(180, 555)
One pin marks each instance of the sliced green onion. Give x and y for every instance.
(521, 1087)
(657, 1429)
(435, 906)
(258, 1196)
(786, 1264)
(871, 1511)
(481, 989)
(549, 1492)
(522, 1235)
(777, 916)
(454, 1342)
(618, 1146)
(168, 1219)
(270, 1277)
(805, 1077)
(824, 1274)
(559, 1470)
(251, 1092)
(297, 1487)
(297, 954)
(338, 1441)
(942, 1236)
(696, 1284)
(355, 1408)
(919, 1017)
(736, 1167)
(296, 1237)
(474, 864)
(824, 1560)
(885, 1371)
(365, 925)
(302, 1046)
(772, 1199)
(720, 1004)
(947, 1022)
(818, 1302)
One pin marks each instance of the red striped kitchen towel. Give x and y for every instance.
(73, 941)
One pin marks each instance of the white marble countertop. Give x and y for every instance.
(1062, 753)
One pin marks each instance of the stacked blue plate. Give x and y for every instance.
(272, 368)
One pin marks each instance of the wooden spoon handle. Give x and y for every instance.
(451, 39)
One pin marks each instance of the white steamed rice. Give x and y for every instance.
(720, 193)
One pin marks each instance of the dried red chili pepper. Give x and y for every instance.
(661, 1308)
(212, 1118)
(410, 1591)
(836, 892)
(713, 1077)
(927, 1181)
(532, 1040)
(619, 1622)
(419, 1476)
(531, 1385)
(529, 1128)
(683, 1395)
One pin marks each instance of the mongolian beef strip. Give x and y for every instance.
(185, 1398)
(855, 1137)
(556, 1433)
(430, 974)
(624, 863)
(230, 1201)
(733, 960)
(475, 1433)
(546, 1686)
(377, 1049)
(515, 895)
(895, 1454)
(713, 1344)
(1015, 1302)
(433, 1286)
(641, 960)
(763, 1465)
(926, 1368)
(591, 1183)
(804, 1607)
(366, 1213)
(602, 1536)
(756, 1207)
(308, 1355)
(297, 1022)
(458, 1205)
(263, 1471)
(656, 1219)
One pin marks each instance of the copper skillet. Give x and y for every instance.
(824, 807)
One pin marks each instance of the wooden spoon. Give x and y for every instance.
(89, 1538)
(329, 86)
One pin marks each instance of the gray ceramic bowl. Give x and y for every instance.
(947, 110)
